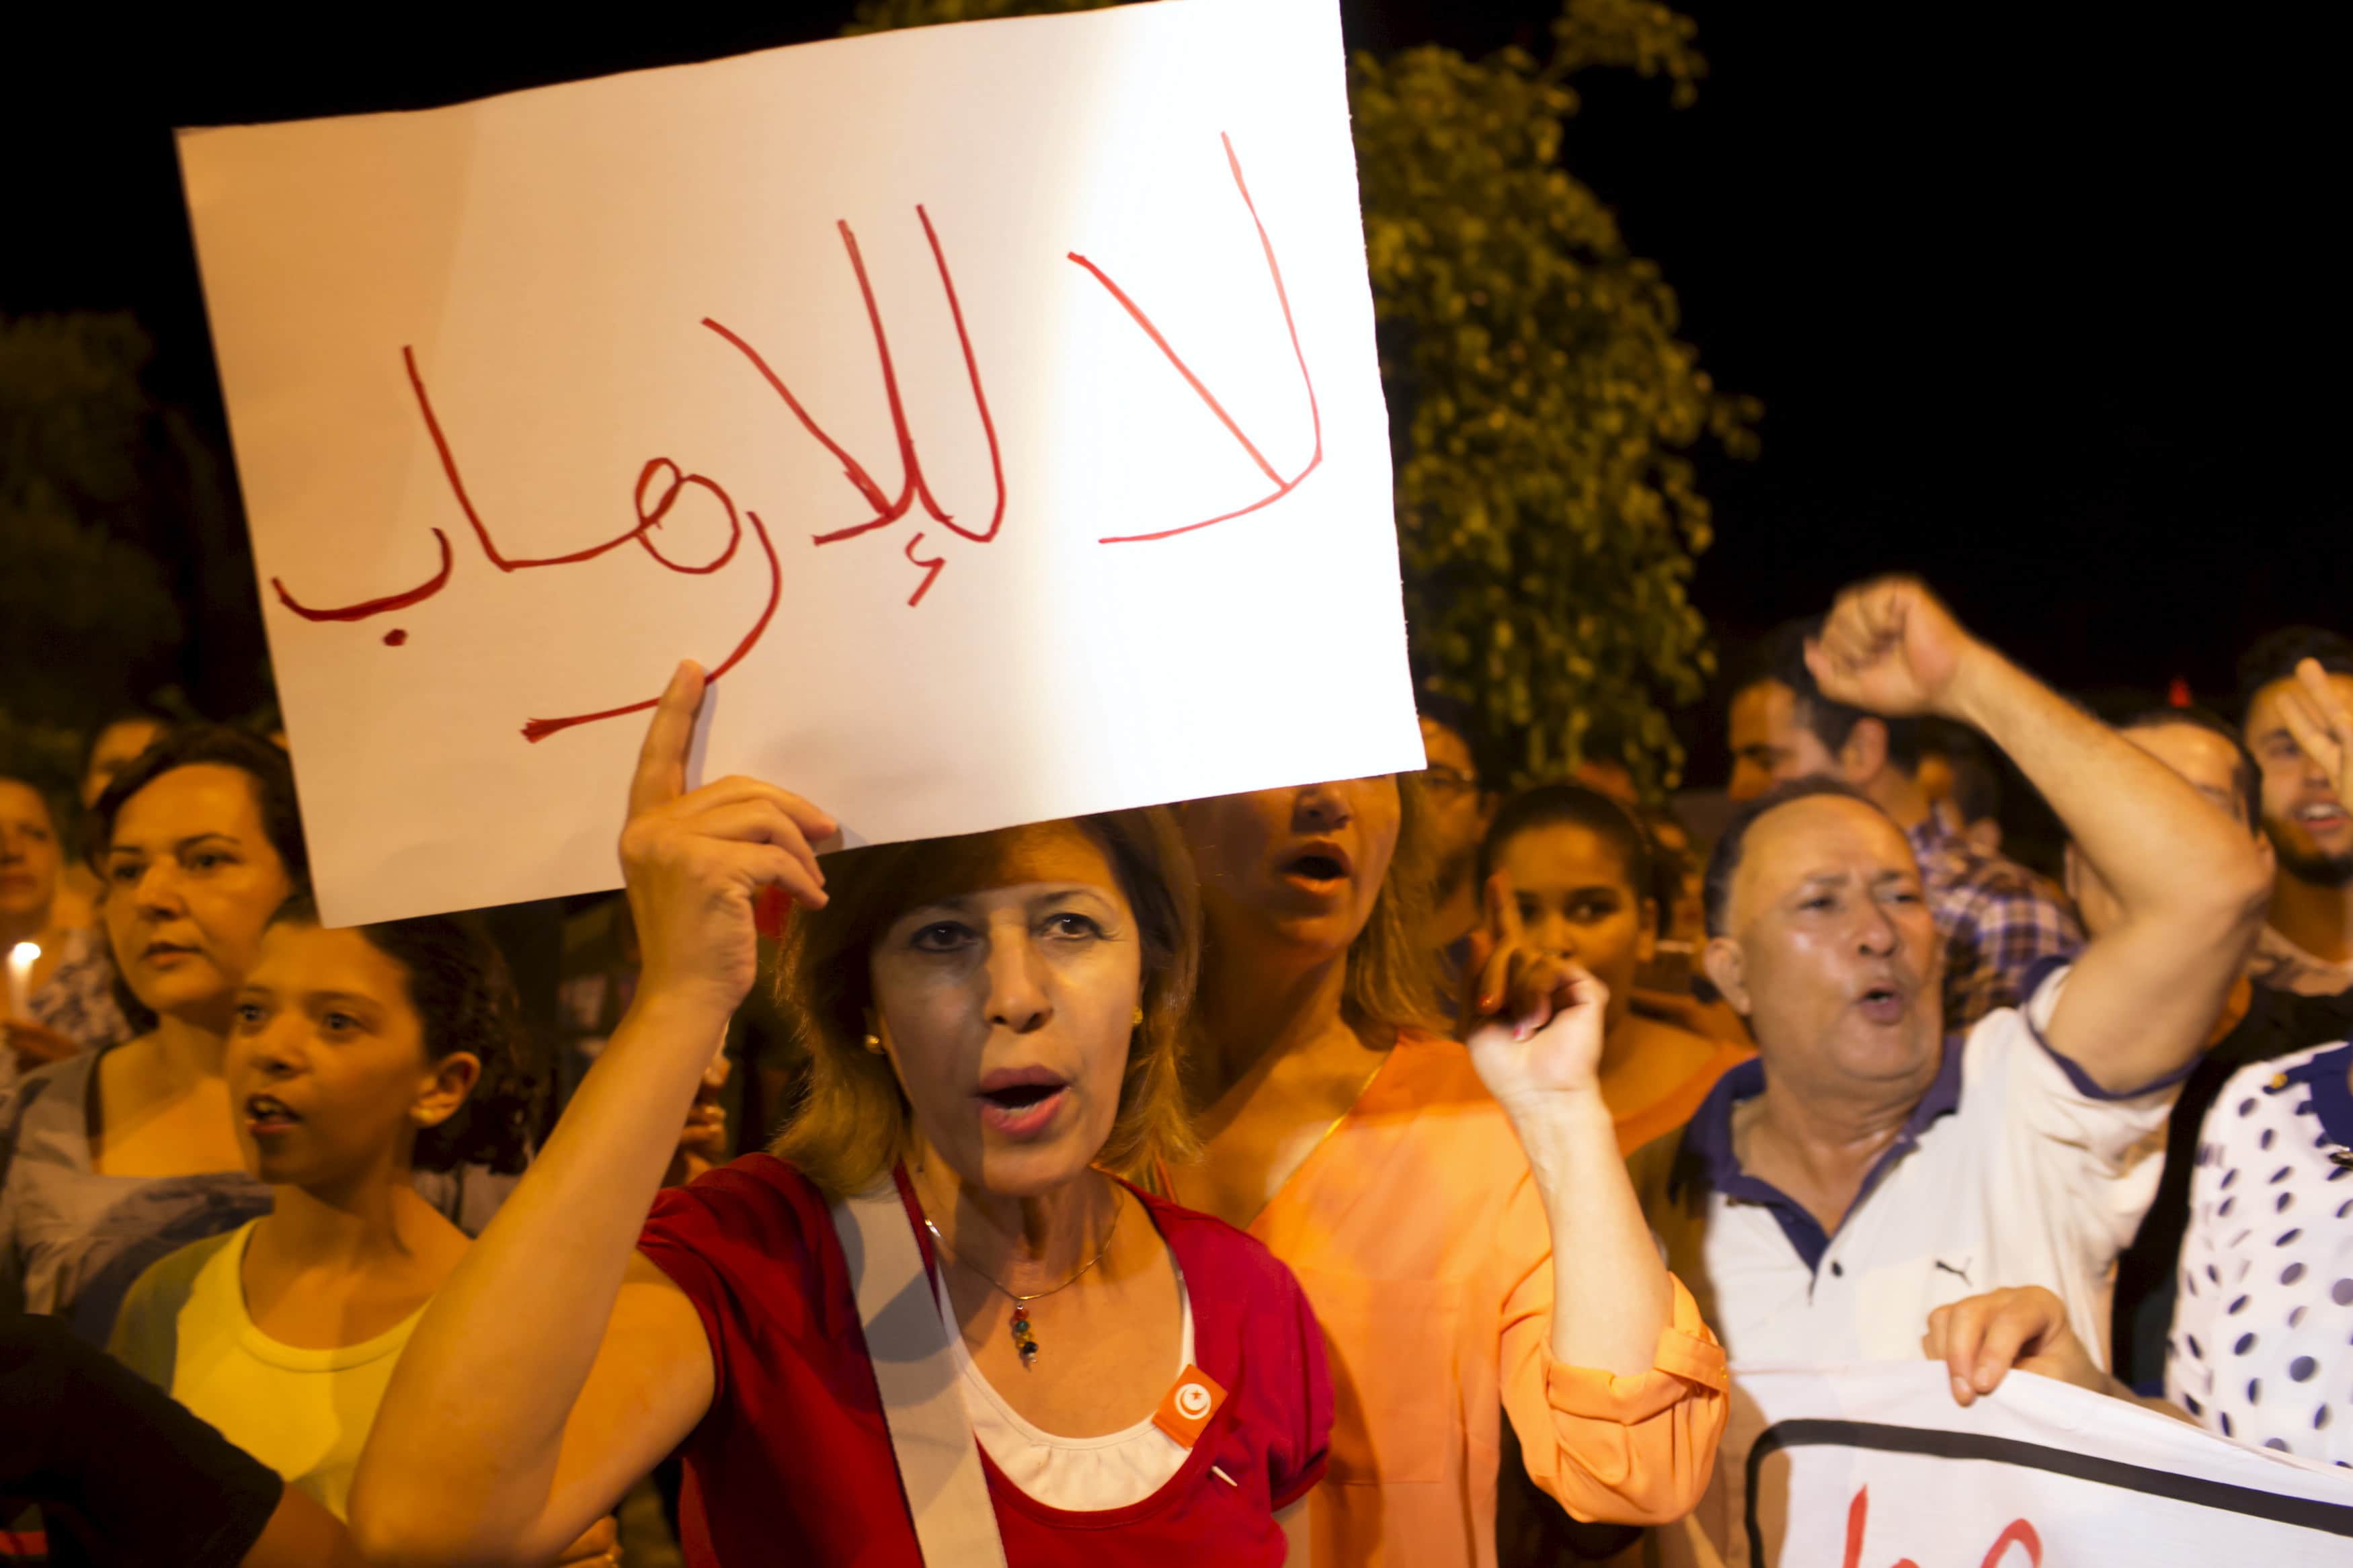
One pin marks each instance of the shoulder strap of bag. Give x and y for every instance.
(939, 1463)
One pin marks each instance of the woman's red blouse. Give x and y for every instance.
(794, 1462)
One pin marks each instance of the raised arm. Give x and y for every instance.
(1621, 1421)
(558, 1365)
(1536, 1044)
(2142, 998)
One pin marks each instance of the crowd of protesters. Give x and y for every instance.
(1394, 1170)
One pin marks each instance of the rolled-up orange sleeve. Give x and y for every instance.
(1616, 1450)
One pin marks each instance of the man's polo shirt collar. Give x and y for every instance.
(1707, 1158)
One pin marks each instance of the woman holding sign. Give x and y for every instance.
(1459, 1216)
(937, 1329)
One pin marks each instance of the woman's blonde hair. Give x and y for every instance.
(853, 1123)
(1393, 977)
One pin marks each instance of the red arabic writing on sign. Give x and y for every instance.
(913, 489)
(672, 480)
(664, 481)
(1282, 487)
(2017, 1532)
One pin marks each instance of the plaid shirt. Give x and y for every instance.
(1997, 920)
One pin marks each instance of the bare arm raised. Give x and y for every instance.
(558, 1365)
(2143, 997)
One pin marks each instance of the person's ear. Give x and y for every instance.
(1863, 755)
(444, 1089)
(1726, 969)
(1646, 945)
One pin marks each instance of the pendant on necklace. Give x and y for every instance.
(1023, 1340)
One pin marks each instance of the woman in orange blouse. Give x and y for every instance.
(1459, 1216)
(1576, 868)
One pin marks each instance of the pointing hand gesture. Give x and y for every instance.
(1534, 1017)
(696, 861)
(1889, 646)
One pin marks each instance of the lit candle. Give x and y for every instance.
(21, 959)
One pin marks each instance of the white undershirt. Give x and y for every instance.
(1078, 1474)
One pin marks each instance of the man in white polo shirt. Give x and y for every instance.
(1864, 1169)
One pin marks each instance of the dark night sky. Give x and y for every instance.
(2038, 301)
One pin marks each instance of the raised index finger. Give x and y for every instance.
(1503, 911)
(660, 777)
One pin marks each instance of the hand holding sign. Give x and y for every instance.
(696, 861)
(1981, 1339)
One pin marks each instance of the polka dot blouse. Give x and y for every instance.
(2261, 1348)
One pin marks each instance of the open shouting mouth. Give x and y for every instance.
(267, 1116)
(1021, 1102)
(1319, 866)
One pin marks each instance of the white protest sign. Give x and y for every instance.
(1876, 1467)
(994, 407)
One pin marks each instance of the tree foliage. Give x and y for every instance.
(87, 613)
(1543, 406)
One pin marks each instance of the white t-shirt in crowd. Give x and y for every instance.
(2015, 1169)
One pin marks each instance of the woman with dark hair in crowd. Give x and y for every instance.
(357, 1057)
(113, 746)
(110, 1160)
(1459, 1216)
(117, 744)
(938, 1323)
(66, 1006)
(1579, 871)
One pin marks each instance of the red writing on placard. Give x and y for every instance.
(661, 478)
(1282, 487)
(915, 490)
(661, 481)
(2017, 1532)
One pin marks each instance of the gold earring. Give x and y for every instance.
(874, 1042)
(1139, 1018)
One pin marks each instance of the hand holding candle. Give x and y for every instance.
(21, 959)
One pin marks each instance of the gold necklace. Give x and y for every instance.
(1025, 1338)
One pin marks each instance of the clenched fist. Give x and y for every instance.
(1889, 646)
